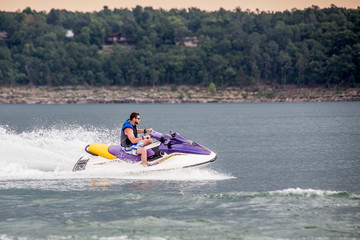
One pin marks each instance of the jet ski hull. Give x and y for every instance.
(168, 162)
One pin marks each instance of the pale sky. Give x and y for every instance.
(208, 5)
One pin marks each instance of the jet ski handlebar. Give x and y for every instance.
(156, 135)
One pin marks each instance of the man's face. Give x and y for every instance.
(137, 119)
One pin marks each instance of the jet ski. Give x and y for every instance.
(170, 151)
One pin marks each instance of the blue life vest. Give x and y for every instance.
(125, 141)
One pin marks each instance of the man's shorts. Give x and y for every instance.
(132, 149)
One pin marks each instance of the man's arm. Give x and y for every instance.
(130, 134)
(143, 130)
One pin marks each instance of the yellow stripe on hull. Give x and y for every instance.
(163, 159)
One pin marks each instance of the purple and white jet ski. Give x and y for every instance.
(170, 151)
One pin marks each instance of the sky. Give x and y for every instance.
(208, 5)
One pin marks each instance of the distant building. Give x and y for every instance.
(69, 34)
(3, 36)
(117, 38)
(187, 41)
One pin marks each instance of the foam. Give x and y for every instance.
(303, 192)
(297, 193)
(43, 150)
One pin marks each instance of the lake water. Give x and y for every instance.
(284, 171)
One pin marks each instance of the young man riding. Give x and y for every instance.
(130, 142)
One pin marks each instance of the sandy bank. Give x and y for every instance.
(167, 94)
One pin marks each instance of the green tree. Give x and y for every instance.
(212, 88)
(96, 33)
(285, 66)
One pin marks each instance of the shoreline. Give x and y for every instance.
(169, 94)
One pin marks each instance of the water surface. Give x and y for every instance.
(284, 171)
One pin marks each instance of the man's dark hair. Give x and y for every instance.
(134, 115)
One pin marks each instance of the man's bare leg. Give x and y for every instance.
(143, 153)
(148, 142)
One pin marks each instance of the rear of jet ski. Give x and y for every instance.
(97, 164)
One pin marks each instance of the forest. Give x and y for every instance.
(310, 47)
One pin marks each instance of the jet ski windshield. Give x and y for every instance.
(172, 136)
(177, 137)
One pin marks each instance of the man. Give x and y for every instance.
(130, 142)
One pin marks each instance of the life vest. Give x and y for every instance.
(125, 141)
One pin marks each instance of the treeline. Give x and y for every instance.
(239, 48)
